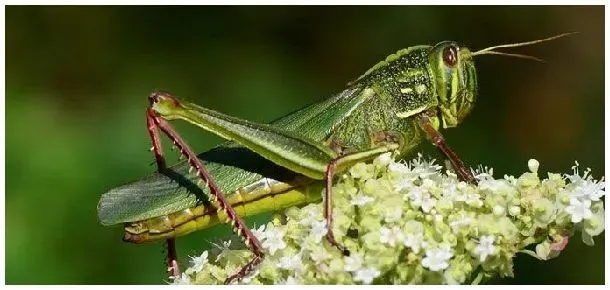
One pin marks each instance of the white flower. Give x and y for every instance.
(462, 221)
(320, 255)
(260, 233)
(291, 281)
(366, 275)
(224, 249)
(533, 165)
(353, 262)
(291, 262)
(424, 168)
(184, 279)
(589, 190)
(437, 259)
(400, 168)
(414, 241)
(427, 203)
(450, 191)
(391, 236)
(197, 263)
(392, 214)
(274, 239)
(383, 160)
(361, 200)
(318, 230)
(579, 210)
(485, 247)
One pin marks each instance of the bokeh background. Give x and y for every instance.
(77, 79)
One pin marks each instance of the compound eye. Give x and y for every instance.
(450, 54)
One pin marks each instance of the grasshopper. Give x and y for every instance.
(392, 107)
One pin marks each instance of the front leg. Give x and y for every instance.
(438, 141)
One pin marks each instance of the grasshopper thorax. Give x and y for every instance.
(455, 80)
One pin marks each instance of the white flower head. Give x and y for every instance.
(291, 281)
(383, 160)
(197, 263)
(260, 233)
(463, 220)
(318, 230)
(361, 199)
(485, 247)
(392, 214)
(184, 279)
(533, 165)
(414, 241)
(437, 259)
(579, 210)
(392, 236)
(420, 197)
(225, 249)
(274, 239)
(291, 262)
(353, 262)
(366, 275)
(585, 187)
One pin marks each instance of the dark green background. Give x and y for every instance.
(77, 79)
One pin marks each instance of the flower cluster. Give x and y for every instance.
(410, 222)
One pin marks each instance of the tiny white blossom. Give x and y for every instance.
(361, 200)
(589, 190)
(274, 240)
(462, 221)
(184, 279)
(427, 203)
(320, 255)
(353, 262)
(450, 191)
(414, 241)
(391, 236)
(399, 167)
(198, 262)
(485, 247)
(291, 262)
(367, 275)
(392, 214)
(437, 259)
(579, 210)
(533, 165)
(498, 210)
(472, 198)
(383, 159)
(291, 281)
(224, 249)
(260, 233)
(318, 230)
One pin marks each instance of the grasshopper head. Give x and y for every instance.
(456, 81)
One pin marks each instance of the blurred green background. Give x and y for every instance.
(77, 79)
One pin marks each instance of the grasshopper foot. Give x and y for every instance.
(331, 239)
(247, 269)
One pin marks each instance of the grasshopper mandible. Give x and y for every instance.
(267, 167)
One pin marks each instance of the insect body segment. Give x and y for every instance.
(266, 195)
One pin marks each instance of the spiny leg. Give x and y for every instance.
(236, 222)
(171, 258)
(438, 140)
(328, 208)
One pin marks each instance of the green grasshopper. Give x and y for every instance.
(269, 167)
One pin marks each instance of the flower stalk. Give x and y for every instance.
(413, 223)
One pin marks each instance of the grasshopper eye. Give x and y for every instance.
(450, 54)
